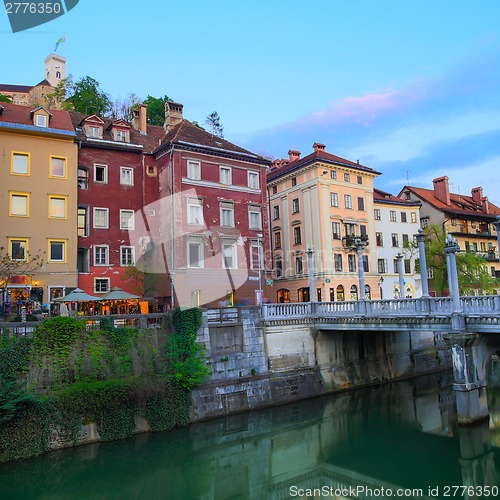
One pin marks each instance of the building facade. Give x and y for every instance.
(38, 198)
(396, 223)
(321, 203)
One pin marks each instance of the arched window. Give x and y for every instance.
(303, 294)
(283, 295)
(354, 292)
(368, 293)
(340, 293)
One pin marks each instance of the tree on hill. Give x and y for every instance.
(156, 109)
(89, 98)
(214, 124)
(5, 98)
(59, 98)
(123, 109)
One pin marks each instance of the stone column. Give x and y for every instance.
(450, 249)
(497, 227)
(399, 258)
(423, 262)
(359, 245)
(310, 271)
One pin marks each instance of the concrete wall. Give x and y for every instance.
(254, 365)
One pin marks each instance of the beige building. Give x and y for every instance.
(38, 198)
(321, 202)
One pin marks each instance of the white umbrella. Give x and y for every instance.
(77, 295)
(118, 294)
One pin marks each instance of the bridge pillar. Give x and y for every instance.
(469, 376)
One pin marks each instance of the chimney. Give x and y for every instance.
(173, 114)
(485, 205)
(143, 123)
(441, 190)
(477, 195)
(317, 146)
(293, 154)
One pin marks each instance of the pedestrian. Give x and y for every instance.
(63, 309)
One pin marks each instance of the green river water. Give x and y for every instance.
(399, 440)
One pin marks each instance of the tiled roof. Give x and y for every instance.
(318, 155)
(380, 196)
(15, 88)
(459, 203)
(21, 115)
(187, 133)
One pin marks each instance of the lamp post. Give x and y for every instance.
(450, 249)
(359, 245)
(310, 272)
(259, 253)
(399, 258)
(497, 227)
(423, 263)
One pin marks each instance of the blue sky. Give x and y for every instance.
(410, 88)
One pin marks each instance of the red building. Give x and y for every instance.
(186, 207)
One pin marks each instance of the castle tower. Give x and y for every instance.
(55, 69)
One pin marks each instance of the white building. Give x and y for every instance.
(396, 223)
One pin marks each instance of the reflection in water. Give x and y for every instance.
(401, 435)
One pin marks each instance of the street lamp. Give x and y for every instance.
(310, 271)
(359, 245)
(423, 263)
(399, 258)
(497, 227)
(259, 253)
(450, 249)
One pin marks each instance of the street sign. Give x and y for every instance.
(327, 280)
(269, 282)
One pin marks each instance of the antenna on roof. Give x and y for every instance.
(407, 177)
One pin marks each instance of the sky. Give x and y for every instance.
(410, 88)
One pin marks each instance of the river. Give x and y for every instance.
(396, 439)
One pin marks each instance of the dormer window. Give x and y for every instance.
(121, 135)
(40, 117)
(41, 120)
(93, 126)
(94, 132)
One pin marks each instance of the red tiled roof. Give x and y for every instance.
(15, 88)
(318, 155)
(459, 203)
(380, 196)
(13, 113)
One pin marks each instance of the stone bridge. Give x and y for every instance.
(470, 325)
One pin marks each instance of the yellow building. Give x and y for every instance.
(38, 203)
(321, 202)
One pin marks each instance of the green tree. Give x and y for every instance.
(89, 98)
(59, 98)
(156, 109)
(5, 98)
(214, 124)
(123, 109)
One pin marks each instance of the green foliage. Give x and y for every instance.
(12, 399)
(186, 366)
(5, 98)
(59, 98)
(213, 122)
(89, 98)
(156, 109)
(14, 356)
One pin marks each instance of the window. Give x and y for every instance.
(101, 255)
(83, 178)
(57, 251)
(333, 174)
(430, 272)
(94, 132)
(395, 264)
(101, 285)
(382, 266)
(334, 199)
(350, 229)
(279, 268)
(394, 239)
(194, 170)
(366, 266)
(195, 253)
(275, 189)
(101, 218)
(277, 240)
(57, 167)
(362, 230)
(57, 207)
(376, 214)
(361, 203)
(195, 211)
(83, 260)
(229, 255)
(225, 176)
(127, 221)
(392, 216)
(127, 256)
(254, 217)
(19, 204)
(226, 214)
(20, 164)
(351, 261)
(253, 180)
(276, 212)
(413, 216)
(255, 256)
(403, 217)
(337, 261)
(406, 241)
(126, 176)
(380, 239)
(41, 120)
(294, 181)
(101, 173)
(340, 293)
(295, 205)
(347, 178)
(336, 230)
(82, 221)
(121, 135)
(360, 179)
(18, 249)
(297, 236)
(407, 263)
(348, 201)
(425, 223)
(299, 267)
